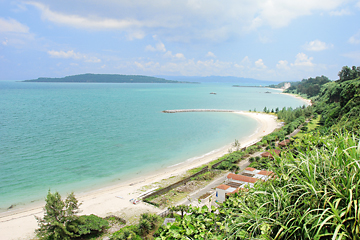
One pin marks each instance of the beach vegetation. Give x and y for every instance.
(147, 225)
(61, 222)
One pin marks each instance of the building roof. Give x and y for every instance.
(238, 190)
(241, 178)
(268, 154)
(284, 142)
(266, 173)
(223, 187)
(250, 169)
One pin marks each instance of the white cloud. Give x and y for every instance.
(342, 12)
(62, 54)
(73, 55)
(282, 64)
(135, 35)
(182, 20)
(355, 39)
(159, 47)
(11, 25)
(5, 42)
(92, 59)
(178, 56)
(302, 60)
(260, 64)
(83, 22)
(281, 12)
(317, 45)
(246, 61)
(358, 4)
(211, 55)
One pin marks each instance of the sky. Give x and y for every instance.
(275, 40)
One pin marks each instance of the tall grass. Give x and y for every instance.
(316, 194)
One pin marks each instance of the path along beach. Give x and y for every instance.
(114, 200)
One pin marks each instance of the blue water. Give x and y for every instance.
(70, 137)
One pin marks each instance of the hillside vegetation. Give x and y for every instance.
(316, 192)
(105, 78)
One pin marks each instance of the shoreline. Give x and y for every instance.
(114, 199)
(308, 101)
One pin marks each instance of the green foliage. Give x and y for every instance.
(105, 78)
(315, 196)
(310, 87)
(88, 224)
(148, 222)
(60, 220)
(129, 232)
(229, 161)
(289, 115)
(347, 73)
(181, 208)
(339, 105)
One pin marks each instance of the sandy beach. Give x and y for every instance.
(308, 101)
(281, 91)
(114, 200)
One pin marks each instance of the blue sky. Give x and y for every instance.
(278, 40)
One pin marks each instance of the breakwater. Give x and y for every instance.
(198, 110)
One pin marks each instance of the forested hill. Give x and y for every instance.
(310, 87)
(105, 78)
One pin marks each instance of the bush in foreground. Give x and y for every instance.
(314, 196)
(60, 221)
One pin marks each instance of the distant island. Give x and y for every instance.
(106, 78)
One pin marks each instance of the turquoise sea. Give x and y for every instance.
(75, 136)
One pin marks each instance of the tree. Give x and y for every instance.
(237, 145)
(59, 218)
(346, 73)
(61, 222)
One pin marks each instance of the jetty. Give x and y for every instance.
(198, 110)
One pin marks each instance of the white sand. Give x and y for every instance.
(307, 101)
(21, 224)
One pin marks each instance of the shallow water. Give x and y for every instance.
(72, 137)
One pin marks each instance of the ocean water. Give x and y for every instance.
(73, 137)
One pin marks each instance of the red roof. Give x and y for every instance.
(223, 186)
(266, 173)
(241, 178)
(284, 142)
(268, 154)
(238, 190)
(250, 169)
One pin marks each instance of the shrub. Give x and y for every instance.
(60, 220)
(90, 224)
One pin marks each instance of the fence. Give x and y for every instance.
(165, 213)
(175, 185)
